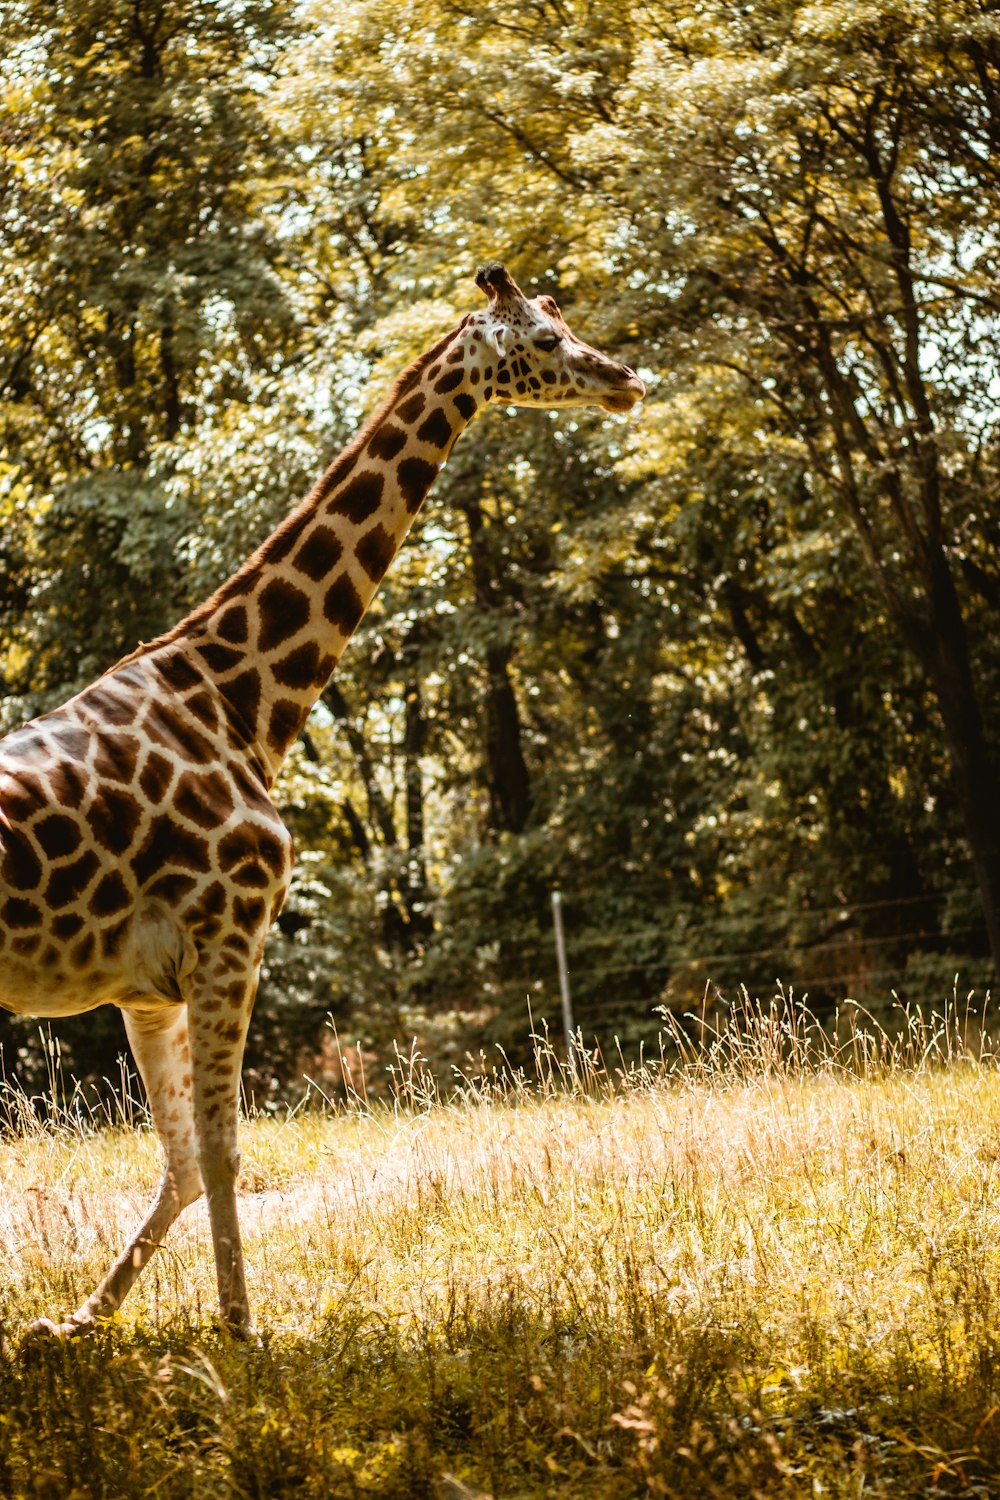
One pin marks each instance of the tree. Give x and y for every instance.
(149, 296)
(806, 198)
(831, 238)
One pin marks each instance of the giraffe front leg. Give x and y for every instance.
(159, 1041)
(220, 1006)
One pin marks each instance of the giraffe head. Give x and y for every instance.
(541, 361)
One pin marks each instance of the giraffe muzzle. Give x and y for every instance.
(629, 393)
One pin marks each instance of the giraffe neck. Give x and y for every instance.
(272, 634)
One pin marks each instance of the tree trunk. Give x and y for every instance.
(395, 927)
(416, 895)
(507, 775)
(943, 649)
(506, 770)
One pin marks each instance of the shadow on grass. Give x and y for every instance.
(507, 1407)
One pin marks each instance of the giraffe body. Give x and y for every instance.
(127, 841)
(142, 860)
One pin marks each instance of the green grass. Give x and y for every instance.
(773, 1269)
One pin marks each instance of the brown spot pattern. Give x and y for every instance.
(220, 658)
(20, 913)
(375, 551)
(243, 692)
(66, 925)
(415, 476)
(140, 754)
(172, 887)
(286, 719)
(435, 429)
(69, 882)
(342, 605)
(57, 835)
(360, 498)
(319, 554)
(156, 776)
(110, 895)
(113, 937)
(300, 668)
(72, 742)
(21, 868)
(212, 902)
(115, 759)
(113, 820)
(338, 470)
(410, 409)
(69, 785)
(284, 610)
(233, 624)
(252, 876)
(251, 843)
(168, 843)
(249, 911)
(449, 381)
(84, 951)
(204, 798)
(177, 735)
(387, 442)
(24, 797)
(178, 672)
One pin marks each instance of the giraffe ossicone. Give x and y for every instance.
(142, 860)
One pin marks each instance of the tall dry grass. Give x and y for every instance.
(766, 1261)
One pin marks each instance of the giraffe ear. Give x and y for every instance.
(498, 335)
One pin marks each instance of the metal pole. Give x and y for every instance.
(567, 1003)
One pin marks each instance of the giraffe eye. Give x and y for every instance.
(548, 344)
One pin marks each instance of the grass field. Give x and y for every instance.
(772, 1269)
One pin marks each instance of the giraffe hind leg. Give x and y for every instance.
(159, 1040)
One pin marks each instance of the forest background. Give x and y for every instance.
(725, 674)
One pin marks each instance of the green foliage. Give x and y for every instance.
(726, 675)
(138, 167)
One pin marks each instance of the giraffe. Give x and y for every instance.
(142, 859)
